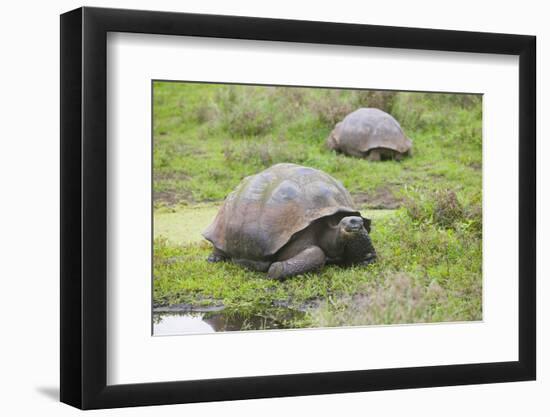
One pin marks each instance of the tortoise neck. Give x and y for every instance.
(330, 241)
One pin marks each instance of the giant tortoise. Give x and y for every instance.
(288, 220)
(370, 133)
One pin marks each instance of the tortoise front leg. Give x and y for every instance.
(310, 259)
(374, 155)
(369, 259)
(260, 266)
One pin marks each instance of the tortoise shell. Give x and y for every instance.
(366, 129)
(265, 210)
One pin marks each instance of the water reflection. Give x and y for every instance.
(165, 324)
(176, 323)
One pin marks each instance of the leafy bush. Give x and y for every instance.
(447, 208)
(207, 112)
(331, 107)
(441, 208)
(246, 111)
(382, 100)
(247, 121)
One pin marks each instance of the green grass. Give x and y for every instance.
(440, 269)
(208, 137)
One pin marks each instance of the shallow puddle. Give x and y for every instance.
(179, 323)
(169, 324)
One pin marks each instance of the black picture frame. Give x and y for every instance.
(84, 207)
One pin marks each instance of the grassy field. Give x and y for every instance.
(426, 210)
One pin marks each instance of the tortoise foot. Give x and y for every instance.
(276, 271)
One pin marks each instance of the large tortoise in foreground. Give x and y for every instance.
(289, 220)
(370, 133)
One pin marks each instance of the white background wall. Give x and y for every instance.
(29, 175)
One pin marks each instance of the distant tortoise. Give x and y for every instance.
(289, 220)
(370, 133)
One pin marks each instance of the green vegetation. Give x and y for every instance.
(428, 234)
(184, 224)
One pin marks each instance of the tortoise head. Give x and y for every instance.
(354, 235)
(333, 140)
(351, 224)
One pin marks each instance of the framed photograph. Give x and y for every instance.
(256, 208)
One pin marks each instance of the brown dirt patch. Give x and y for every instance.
(170, 176)
(172, 194)
(172, 197)
(381, 198)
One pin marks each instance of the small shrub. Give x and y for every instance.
(465, 101)
(227, 95)
(382, 100)
(441, 208)
(410, 111)
(207, 113)
(474, 216)
(447, 208)
(247, 122)
(291, 101)
(331, 108)
(246, 110)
